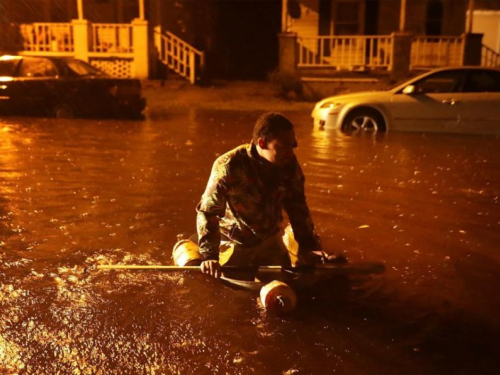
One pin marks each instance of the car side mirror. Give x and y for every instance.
(409, 90)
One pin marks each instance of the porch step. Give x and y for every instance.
(340, 80)
(179, 56)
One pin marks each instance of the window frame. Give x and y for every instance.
(335, 22)
(32, 59)
(461, 81)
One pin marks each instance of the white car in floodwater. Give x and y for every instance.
(447, 100)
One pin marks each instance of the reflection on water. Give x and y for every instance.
(74, 194)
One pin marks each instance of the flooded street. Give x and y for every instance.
(78, 193)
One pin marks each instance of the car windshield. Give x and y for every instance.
(7, 67)
(83, 69)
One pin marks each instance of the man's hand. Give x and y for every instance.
(313, 255)
(309, 258)
(212, 268)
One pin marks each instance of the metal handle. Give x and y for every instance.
(329, 268)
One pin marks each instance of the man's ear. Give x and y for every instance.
(262, 143)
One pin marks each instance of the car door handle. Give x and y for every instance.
(449, 101)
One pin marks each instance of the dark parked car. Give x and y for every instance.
(65, 87)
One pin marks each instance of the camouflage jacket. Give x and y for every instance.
(244, 199)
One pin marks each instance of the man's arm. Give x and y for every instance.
(297, 210)
(210, 209)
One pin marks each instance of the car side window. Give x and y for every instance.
(8, 67)
(441, 82)
(482, 81)
(37, 67)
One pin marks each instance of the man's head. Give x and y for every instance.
(274, 137)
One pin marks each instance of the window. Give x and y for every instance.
(442, 82)
(482, 81)
(434, 17)
(347, 17)
(325, 17)
(37, 67)
(340, 17)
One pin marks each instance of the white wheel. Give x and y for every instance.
(364, 120)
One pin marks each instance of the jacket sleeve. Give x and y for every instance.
(295, 206)
(209, 211)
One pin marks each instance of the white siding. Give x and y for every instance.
(487, 22)
(307, 25)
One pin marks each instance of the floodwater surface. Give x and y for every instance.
(75, 194)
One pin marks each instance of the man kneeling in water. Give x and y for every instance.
(248, 189)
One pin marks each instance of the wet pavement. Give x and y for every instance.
(77, 193)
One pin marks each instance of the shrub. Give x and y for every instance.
(287, 84)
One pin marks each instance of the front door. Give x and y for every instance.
(433, 107)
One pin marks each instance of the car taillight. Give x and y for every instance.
(4, 92)
(128, 90)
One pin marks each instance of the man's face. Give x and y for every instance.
(279, 151)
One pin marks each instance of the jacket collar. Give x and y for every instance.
(253, 154)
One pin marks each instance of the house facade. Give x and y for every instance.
(224, 31)
(125, 38)
(316, 40)
(310, 18)
(324, 42)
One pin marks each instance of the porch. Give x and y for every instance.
(121, 50)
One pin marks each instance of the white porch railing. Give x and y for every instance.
(429, 52)
(345, 52)
(47, 37)
(178, 55)
(118, 49)
(112, 38)
(53, 38)
(489, 57)
(361, 52)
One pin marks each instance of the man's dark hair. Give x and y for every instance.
(269, 125)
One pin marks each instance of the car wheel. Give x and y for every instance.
(63, 110)
(364, 120)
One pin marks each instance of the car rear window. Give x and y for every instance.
(7, 67)
(37, 67)
(482, 81)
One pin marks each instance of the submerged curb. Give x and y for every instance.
(240, 96)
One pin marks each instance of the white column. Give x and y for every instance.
(81, 32)
(471, 16)
(141, 55)
(192, 67)
(284, 16)
(158, 42)
(402, 16)
(79, 4)
(141, 9)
